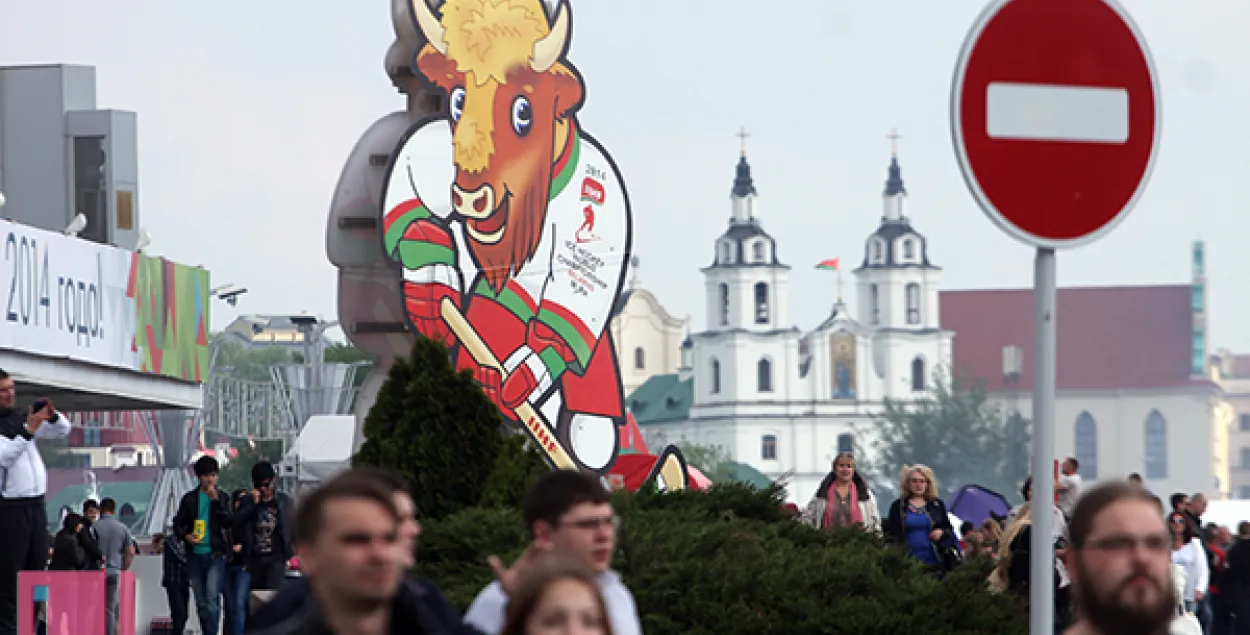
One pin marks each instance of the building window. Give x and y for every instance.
(846, 443)
(724, 304)
(874, 297)
(715, 377)
(758, 252)
(640, 358)
(917, 374)
(909, 249)
(1245, 422)
(1086, 433)
(913, 303)
(1245, 458)
(1156, 433)
(761, 303)
(878, 251)
(727, 253)
(764, 375)
(768, 447)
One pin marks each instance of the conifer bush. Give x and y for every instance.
(728, 561)
(436, 427)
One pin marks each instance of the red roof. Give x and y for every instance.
(1108, 337)
(631, 437)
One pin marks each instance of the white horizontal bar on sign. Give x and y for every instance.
(1047, 112)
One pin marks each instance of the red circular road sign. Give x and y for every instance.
(1055, 114)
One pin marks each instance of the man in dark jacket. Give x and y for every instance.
(263, 526)
(86, 536)
(203, 521)
(292, 599)
(348, 535)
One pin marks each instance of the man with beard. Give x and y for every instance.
(1119, 560)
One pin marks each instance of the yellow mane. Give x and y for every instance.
(487, 38)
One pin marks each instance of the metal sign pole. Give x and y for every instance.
(1042, 546)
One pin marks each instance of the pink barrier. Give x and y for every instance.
(75, 602)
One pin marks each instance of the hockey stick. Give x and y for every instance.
(540, 431)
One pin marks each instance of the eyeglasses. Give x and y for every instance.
(591, 524)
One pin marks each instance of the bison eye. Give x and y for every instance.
(456, 104)
(522, 116)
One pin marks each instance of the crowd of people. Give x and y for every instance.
(1125, 563)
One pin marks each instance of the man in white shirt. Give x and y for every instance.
(1068, 486)
(569, 512)
(23, 484)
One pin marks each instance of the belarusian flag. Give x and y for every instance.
(828, 265)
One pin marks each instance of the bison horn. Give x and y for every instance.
(548, 49)
(430, 26)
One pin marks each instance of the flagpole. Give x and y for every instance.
(839, 284)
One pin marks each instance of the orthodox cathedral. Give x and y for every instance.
(787, 401)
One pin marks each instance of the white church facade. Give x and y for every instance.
(1133, 393)
(787, 401)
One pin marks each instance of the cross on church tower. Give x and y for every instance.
(894, 136)
(742, 137)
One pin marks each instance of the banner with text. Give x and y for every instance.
(70, 298)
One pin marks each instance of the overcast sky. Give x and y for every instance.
(248, 109)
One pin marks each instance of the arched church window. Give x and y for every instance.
(1086, 438)
(764, 375)
(874, 297)
(759, 252)
(761, 303)
(715, 376)
(724, 304)
(846, 443)
(917, 374)
(1156, 437)
(640, 358)
(913, 303)
(768, 447)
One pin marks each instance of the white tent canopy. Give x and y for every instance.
(323, 448)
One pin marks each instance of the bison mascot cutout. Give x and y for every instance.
(514, 254)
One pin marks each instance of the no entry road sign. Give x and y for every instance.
(1055, 114)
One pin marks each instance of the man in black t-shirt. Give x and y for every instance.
(263, 525)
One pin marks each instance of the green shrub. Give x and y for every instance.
(725, 561)
(437, 428)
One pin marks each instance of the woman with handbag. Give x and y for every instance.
(918, 520)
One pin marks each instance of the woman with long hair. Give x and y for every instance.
(558, 596)
(1189, 555)
(919, 521)
(843, 499)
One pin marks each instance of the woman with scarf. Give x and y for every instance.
(843, 499)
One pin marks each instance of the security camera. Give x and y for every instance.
(232, 296)
(75, 226)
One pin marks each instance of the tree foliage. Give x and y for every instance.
(958, 433)
(439, 429)
(713, 460)
(237, 474)
(729, 561)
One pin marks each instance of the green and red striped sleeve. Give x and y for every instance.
(414, 237)
(580, 339)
